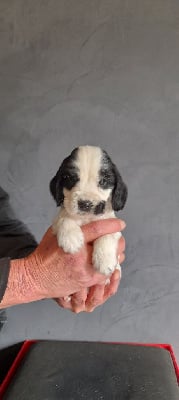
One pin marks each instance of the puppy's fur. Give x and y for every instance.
(88, 187)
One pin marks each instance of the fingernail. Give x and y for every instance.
(89, 309)
(123, 225)
(107, 282)
(117, 276)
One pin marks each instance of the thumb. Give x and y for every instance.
(94, 230)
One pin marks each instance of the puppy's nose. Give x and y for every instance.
(85, 205)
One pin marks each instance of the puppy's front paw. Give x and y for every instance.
(105, 254)
(71, 240)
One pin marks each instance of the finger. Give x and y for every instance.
(95, 297)
(100, 279)
(121, 245)
(107, 290)
(111, 289)
(96, 229)
(78, 300)
(96, 278)
(121, 258)
(64, 304)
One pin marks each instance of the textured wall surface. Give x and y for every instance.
(103, 73)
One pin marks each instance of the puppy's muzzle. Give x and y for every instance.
(87, 206)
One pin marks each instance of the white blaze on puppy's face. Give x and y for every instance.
(87, 194)
(89, 163)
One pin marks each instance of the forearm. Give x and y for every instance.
(22, 285)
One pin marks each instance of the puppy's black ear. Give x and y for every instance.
(56, 189)
(120, 191)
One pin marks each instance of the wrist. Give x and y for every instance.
(23, 283)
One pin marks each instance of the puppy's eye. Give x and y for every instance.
(106, 180)
(103, 181)
(69, 180)
(66, 176)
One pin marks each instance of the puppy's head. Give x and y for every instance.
(88, 182)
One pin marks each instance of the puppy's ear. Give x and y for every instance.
(56, 189)
(120, 191)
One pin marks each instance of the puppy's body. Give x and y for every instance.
(88, 187)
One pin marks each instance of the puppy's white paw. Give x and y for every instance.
(105, 254)
(104, 262)
(71, 241)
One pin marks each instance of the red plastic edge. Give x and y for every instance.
(21, 354)
(27, 344)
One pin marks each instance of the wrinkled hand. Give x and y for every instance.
(88, 300)
(58, 274)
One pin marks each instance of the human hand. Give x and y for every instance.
(58, 274)
(88, 300)
(48, 272)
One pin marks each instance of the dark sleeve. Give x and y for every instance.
(4, 274)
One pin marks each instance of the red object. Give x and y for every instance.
(22, 352)
(26, 346)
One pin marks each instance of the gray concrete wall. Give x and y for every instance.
(103, 73)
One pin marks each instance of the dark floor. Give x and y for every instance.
(105, 73)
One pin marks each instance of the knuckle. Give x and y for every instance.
(75, 260)
(71, 260)
(95, 229)
(77, 308)
(78, 301)
(82, 276)
(94, 301)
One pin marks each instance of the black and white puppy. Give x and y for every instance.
(88, 187)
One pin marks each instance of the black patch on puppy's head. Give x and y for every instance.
(120, 191)
(106, 174)
(66, 177)
(111, 178)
